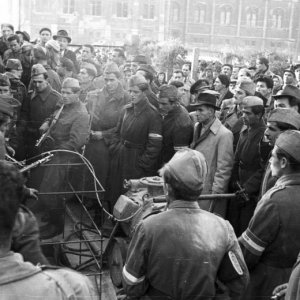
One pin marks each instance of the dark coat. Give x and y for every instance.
(177, 132)
(136, 145)
(105, 111)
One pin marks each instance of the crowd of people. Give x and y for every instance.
(236, 131)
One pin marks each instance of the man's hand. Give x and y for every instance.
(44, 127)
(10, 151)
(280, 291)
(96, 135)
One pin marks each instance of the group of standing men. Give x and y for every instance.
(129, 124)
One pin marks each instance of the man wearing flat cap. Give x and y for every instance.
(184, 252)
(271, 242)
(70, 132)
(216, 143)
(39, 105)
(136, 145)
(105, 107)
(279, 120)
(289, 77)
(247, 171)
(289, 97)
(177, 125)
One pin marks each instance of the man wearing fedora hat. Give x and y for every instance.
(289, 97)
(215, 141)
(64, 40)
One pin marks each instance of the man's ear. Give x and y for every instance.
(19, 224)
(283, 163)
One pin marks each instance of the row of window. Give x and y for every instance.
(95, 8)
(226, 13)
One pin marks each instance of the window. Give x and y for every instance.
(68, 6)
(251, 17)
(277, 18)
(225, 15)
(122, 9)
(148, 10)
(175, 12)
(43, 6)
(95, 7)
(200, 14)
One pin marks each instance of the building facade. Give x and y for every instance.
(207, 24)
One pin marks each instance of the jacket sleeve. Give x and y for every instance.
(134, 271)
(224, 164)
(154, 144)
(233, 272)
(261, 231)
(79, 133)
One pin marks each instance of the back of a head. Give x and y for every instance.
(11, 194)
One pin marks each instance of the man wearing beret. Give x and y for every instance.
(279, 120)
(184, 252)
(177, 125)
(289, 97)
(70, 132)
(136, 145)
(247, 171)
(271, 242)
(216, 143)
(39, 105)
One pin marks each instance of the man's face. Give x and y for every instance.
(111, 82)
(115, 58)
(260, 66)
(276, 82)
(181, 91)
(4, 90)
(6, 32)
(14, 46)
(63, 43)
(185, 70)
(5, 126)
(238, 95)
(275, 164)
(297, 74)
(226, 70)
(68, 95)
(218, 85)
(86, 53)
(288, 78)
(178, 77)
(165, 106)
(284, 103)
(263, 89)
(136, 94)
(45, 36)
(142, 73)
(134, 66)
(84, 77)
(272, 132)
(39, 83)
(235, 72)
(204, 113)
(249, 118)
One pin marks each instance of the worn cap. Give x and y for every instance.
(137, 80)
(168, 91)
(70, 83)
(5, 107)
(4, 80)
(206, 98)
(251, 101)
(112, 68)
(91, 69)
(289, 141)
(189, 168)
(38, 69)
(290, 70)
(26, 47)
(10, 100)
(286, 116)
(200, 84)
(52, 44)
(26, 36)
(147, 68)
(247, 85)
(288, 91)
(39, 52)
(14, 64)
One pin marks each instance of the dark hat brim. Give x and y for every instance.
(200, 103)
(55, 37)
